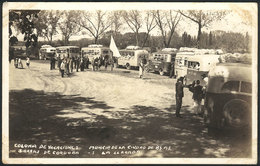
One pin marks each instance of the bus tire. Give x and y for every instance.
(161, 72)
(237, 113)
(128, 66)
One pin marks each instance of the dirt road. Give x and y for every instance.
(96, 111)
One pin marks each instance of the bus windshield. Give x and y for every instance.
(74, 50)
(193, 65)
(61, 51)
(126, 53)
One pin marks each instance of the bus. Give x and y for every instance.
(46, 52)
(131, 56)
(94, 50)
(161, 60)
(199, 66)
(228, 101)
(181, 63)
(67, 52)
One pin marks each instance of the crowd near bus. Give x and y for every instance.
(202, 71)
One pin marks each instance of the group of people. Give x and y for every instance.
(97, 62)
(198, 94)
(66, 65)
(19, 64)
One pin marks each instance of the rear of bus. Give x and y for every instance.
(74, 51)
(106, 53)
(181, 63)
(161, 61)
(89, 52)
(199, 66)
(62, 52)
(50, 52)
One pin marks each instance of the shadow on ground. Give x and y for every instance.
(40, 118)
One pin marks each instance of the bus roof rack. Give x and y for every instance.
(46, 46)
(95, 45)
(170, 49)
(201, 51)
(133, 47)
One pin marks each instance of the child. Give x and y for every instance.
(28, 62)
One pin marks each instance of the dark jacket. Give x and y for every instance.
(179, 89)
(197, 92)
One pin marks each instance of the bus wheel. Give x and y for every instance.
(161, 72)
(128, 66)
(237, 113)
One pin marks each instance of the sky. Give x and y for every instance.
(234, 21)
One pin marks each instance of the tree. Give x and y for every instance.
(47, 24)
(23, 20)
(68, 26)
(149, 24)
(210, 39)
(116, 22)
(134, 20)
(203, 19)
(167, 22)
(95, 23)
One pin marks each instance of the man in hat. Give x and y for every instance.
(179, 95)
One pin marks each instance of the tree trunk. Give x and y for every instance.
(145, 39)
(136, 39)
(164, 40)
(96, 39)
(66, 40)
(169, 39)
(199, 35)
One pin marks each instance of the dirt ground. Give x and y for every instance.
(108, 114)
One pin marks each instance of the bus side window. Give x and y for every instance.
(185, 63)
(246, 87)
(230, 86)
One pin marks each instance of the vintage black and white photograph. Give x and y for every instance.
(129, 83)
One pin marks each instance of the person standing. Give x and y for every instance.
(28, 62)
(179, 95)
(51, 63)
(16, 62)
(20, 64)
(141, 69)
(197, 96)
(67, 68)
(77, 63)
(171, 69)
(106, 62)
(81, 64)
(59, 62)
(87, 62)
(112, 63)
(62, 68)
(54, 60)
(71, 64)
(93, 63)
